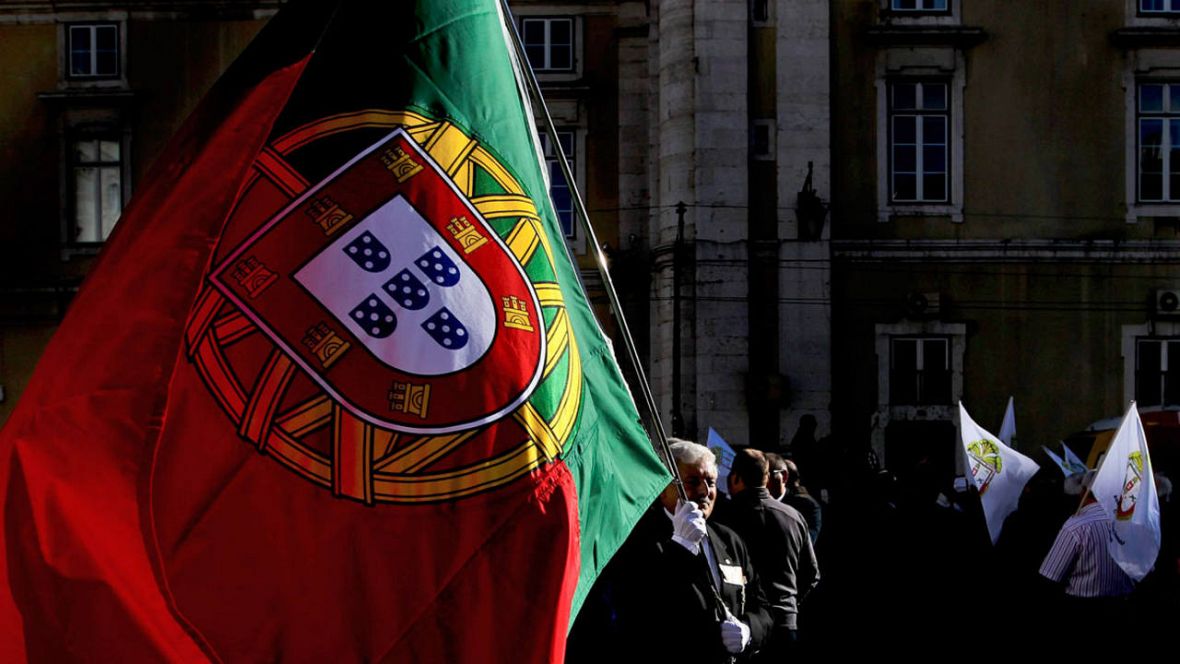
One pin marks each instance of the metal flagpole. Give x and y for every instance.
(534, 89)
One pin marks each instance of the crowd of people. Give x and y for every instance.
(778, 567)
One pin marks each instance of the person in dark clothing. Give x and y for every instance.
(680, 589)
(779, 546)
(798, 497)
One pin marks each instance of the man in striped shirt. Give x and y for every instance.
(1081, 561)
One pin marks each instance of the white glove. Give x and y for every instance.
(688, 526)
(735, 634)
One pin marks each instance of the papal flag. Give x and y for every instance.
(998, 472)
(333, 392)
(1125, 487)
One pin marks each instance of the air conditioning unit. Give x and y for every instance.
(920, 305)
(1167, 303)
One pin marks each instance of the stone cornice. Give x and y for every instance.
(1008, 251)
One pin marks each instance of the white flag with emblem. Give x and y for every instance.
(998, 472)
(1125, 487)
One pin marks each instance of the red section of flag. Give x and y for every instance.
(146, 516)
(84, 431)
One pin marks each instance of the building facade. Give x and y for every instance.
(1003, 217)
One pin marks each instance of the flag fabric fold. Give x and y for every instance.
(333, 391)
(1125, 487)
(998, 472)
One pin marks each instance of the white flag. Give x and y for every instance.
(1057, 460)
(724, 453)
(1073, 465)
(1008, 426)
(1125, 487)
(998, 471)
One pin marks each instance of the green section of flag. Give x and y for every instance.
(463, 73)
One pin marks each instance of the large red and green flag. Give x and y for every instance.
(333, 391)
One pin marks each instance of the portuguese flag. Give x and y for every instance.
(333, 392)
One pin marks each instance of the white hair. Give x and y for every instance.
(690, 453)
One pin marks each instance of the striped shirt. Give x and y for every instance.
(1081, 560)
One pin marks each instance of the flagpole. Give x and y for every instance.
(534, 89)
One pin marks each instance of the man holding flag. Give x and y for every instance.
(333, 392)
(1113, 540)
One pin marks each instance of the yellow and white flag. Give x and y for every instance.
(998, 471)
(1125, 487)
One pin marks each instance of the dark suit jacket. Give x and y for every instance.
(655, 601)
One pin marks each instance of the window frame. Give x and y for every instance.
(71, 185)
(1169, 124)
(920, 115)
(936, 64)
(1162, 371)
(551, 161)
(548, 22)
(920, 372)
(920, 10)
(1173, 12)
(93, 27)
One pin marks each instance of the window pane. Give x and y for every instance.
(904, 5)
(934, 130)
(904, 354)
(112, 200)
(903, 130)
(108, 150)
(85, 204)
(1151, 132)
(934, 159)
(936, 386)
(85, 152)
(106, 38)
(1151, 5)
(904, 159)
(934, 187)
(106, 63)
(80, 38)
(1151, 187)
(566, 138)
(934, 354)
(536, 55)
(534, 32)
(79, 63)
(905, 187)
(935, 5)
(560, 57)
(905, 96)
(1151, 98)
(934, 96)
(561, 32)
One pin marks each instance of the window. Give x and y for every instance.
(919, 371)
(96, 188)
(93, 50)
(1159, 142)
(918, 149)
(1156, 384)
(549, 43)
(1159, 6)
(559, 190)
(918, 5)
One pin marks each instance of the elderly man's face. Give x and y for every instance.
(700, 483)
